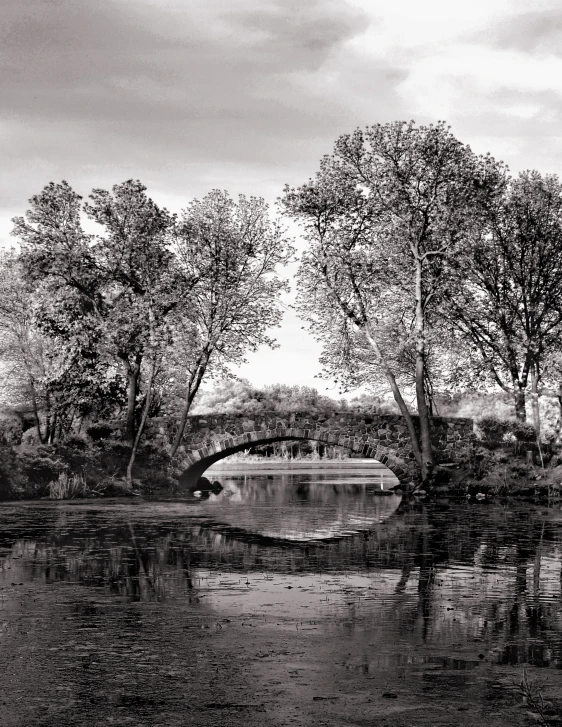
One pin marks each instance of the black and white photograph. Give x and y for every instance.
(280, 363)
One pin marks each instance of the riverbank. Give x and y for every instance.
(501, 474)
(80, 468)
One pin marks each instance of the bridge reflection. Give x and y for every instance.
(310, 508)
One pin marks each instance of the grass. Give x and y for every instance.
(531, 691)
(67, 487)
(287, 456)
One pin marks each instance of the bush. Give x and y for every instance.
(494, 429)
(76, 441)
(11, 486)
(523, 432)
(99, 431)
(11, 429)
(41, 467)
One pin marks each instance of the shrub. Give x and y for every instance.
(41, 467)
(494, 429)
(99, 431)
(10, 474)
(76, 441)
(523, 432)
(11, 429)
(483, 461)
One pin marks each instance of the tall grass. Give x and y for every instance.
(66, 487)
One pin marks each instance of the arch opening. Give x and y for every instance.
(198, 461)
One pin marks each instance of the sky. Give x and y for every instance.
(247, 95)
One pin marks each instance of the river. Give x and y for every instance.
(298, 595)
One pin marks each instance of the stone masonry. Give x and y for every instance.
(383, 437)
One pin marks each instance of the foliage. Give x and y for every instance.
(232, 249)
(22, 348)
(142, 312)
(41, 467)
(11, 480)
(392, 198)
(61, 286)
(493, 429)
(506, 292)
(143, 285)
(11, 429)
(238, 396)
(99, 431)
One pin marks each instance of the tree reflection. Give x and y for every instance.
(451, 572)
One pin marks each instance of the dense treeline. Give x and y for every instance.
(239, 396)
(95, 326)
(427, 268)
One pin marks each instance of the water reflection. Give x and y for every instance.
(440, 577)
(299, 508)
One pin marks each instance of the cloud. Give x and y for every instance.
(536, 31)
(190, 95)
(166, 90)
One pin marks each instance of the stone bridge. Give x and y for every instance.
(383, 437)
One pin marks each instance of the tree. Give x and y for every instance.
(64, 294)
(507, 300)
(232, 249)
(105, 299)
(238, 396)
(142, 284)
(383, 217)
(21, 345)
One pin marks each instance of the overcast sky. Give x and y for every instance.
(246, 95)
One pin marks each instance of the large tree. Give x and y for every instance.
(64, 293)
(232, 249)
(383, 217)
(507, 300)
(142, 283)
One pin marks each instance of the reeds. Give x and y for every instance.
(67, 487)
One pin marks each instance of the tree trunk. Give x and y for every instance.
(129, 476)
(183, 421)
(519, 397)
(398, 398)
(133, 376)
(191, 391)
(425, 427)
(42, 437)
(423, 411)
(558, 430)
(535, 402)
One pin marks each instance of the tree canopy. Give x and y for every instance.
(383, 218)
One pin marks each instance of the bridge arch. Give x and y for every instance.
(197, 461)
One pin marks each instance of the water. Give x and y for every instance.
(296, 596)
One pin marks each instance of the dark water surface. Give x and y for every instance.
(296, 597)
